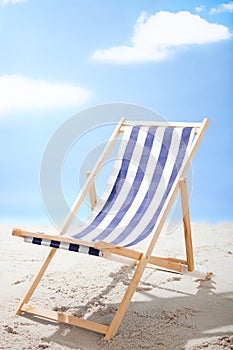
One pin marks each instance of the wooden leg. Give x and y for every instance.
(126, 299)
(186, 223)
(36, 280)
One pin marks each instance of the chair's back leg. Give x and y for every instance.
(36, 280)
(186, 223)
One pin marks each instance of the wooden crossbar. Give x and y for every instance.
(165, 263)
(161, 123)
(64, 318)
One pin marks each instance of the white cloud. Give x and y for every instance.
(21, 93)
(156, 36)
(199, 8)
(223, 8)
(6, 2)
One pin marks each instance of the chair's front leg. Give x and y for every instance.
(36, 280)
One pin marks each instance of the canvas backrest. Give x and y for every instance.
(148, 163)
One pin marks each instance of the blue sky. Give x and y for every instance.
(58, 58)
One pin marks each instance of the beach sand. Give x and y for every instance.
(168, 312)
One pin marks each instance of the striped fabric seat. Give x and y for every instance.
(63, 245)
(146, 167)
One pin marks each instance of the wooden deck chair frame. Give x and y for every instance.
(142, 259)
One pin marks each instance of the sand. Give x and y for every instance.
(169, 311)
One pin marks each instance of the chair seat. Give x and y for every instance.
(63, 245)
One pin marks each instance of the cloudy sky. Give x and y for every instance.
(58, 58)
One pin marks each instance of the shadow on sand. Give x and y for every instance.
(158, 323)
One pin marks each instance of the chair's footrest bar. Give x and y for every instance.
(64, 318)
(165, 263)
(120, 259)
(179, 261)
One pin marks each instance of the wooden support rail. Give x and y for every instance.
(64, 318)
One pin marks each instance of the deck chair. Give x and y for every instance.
(148, 172)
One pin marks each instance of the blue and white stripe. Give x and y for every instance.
(151, 161)
(63, 245)
(147, 165)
